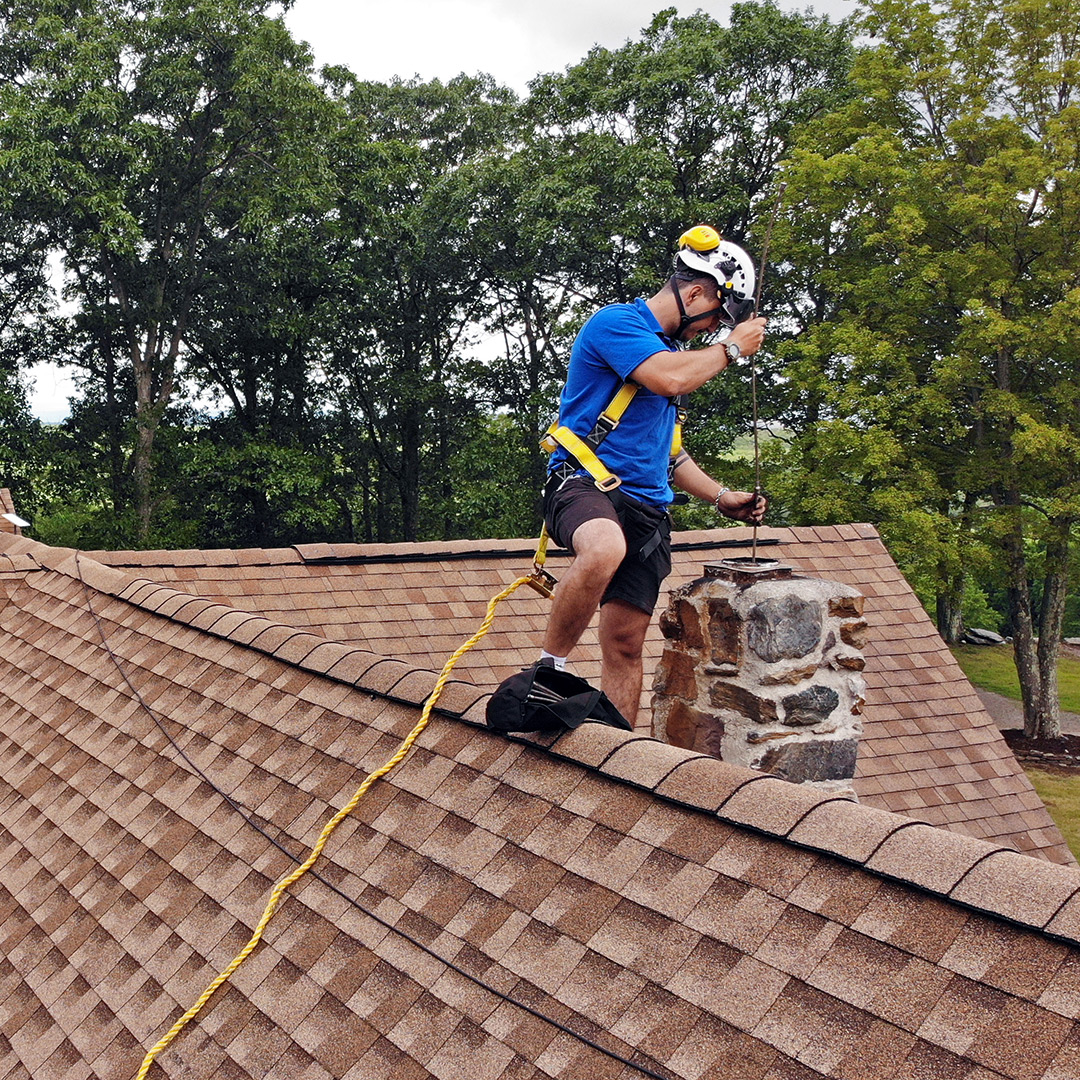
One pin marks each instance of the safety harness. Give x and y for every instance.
(583, 456)
(582, 451)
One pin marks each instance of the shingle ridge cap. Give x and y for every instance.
(10, 544)
(19, 554)
(396, 681)
(185, 557)
(18, 562)
(431, 550)
(434, 549)
(598, 748)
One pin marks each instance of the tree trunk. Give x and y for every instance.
(950, 609)
(953, 573)
(146, 422)
(150, 404)
(1051, 624)
(1025, 649)
(115, 430)
(536, 344)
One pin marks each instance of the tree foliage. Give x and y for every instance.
(944, 206)
(308, 306)
(138, 139)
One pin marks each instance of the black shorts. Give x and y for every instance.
(647, 530)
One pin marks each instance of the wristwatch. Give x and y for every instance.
(733, 351)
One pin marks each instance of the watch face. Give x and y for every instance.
(733, 350)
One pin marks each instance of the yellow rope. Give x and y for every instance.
(331, 825)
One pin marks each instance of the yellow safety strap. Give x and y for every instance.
(560, 435)
(676, 436)
(540, 579)
(620, 403)
(278, 891)
(604, 478)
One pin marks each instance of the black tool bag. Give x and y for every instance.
(543, 699)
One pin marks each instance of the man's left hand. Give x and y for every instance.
(743, 506)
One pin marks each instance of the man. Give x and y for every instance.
(621, 537)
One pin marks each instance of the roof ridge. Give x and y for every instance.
(18, 562)
(343, 663)
(329, 553)
(988, 878)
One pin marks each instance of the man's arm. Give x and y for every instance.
(672, 373)
(738, 505)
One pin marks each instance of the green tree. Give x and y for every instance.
(25, 338)
(688, 123)
(137, 138)
(398, 345)
(944, 207)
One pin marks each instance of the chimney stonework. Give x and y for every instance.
(762, 669)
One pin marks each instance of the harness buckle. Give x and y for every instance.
(608, 483)
(542, 582)
(603, 427)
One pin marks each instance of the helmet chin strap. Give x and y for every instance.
(686, 321)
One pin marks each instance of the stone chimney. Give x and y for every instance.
(761, 668)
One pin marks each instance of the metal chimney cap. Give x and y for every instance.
(746, 570)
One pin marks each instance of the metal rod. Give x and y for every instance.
(753, 361)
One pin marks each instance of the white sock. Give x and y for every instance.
(559, 662)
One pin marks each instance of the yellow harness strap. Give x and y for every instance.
(540, 579)
(602, 476)
(619, 403)
(676, 437)
(560, 435)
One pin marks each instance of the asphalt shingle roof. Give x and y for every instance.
(702, 921)
(930, 750)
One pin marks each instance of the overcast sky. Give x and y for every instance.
(512, 40)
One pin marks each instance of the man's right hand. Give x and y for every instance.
(749, 335)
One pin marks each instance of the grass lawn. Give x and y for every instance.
(1061, 794)
(991, 667)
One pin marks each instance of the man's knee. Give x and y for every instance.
(622, 630)
(600, 546)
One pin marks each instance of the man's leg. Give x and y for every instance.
(622, 634)
(599, 548)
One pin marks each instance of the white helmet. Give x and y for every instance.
(703, 249)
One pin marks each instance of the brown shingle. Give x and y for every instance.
(774, 807)
(908, 668)
(930, 857)
(592, 743)
(645, 762)
(1018, 887)
(846, 829)
(705, 782)
(655, 926)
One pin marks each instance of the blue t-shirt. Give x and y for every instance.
(610, 345)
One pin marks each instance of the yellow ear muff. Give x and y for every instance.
(700, 238)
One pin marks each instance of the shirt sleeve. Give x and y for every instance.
(618, 339)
